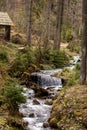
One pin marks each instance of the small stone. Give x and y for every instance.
(31, 115)
(49, 102)
(24, 106)
(36, 102)
(45, 125)
(26, 123)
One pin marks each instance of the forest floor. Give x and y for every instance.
(69, 110)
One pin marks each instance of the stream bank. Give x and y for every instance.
(69, 110)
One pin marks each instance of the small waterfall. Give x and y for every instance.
(45, 80)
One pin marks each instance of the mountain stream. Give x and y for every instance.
(36, 115)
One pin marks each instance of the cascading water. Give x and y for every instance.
(37, 114)
(40, 112)
(45, 80)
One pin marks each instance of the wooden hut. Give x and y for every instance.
(6, 23)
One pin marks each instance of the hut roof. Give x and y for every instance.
(5, 19)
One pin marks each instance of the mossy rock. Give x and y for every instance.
(36, 102)
(53, 123)
(49, 102)
(45, 125)
(39, 92)
(18, 39)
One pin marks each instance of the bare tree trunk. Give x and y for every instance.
(83, 77)
(29, 26)
(57, 40)
(47, 34)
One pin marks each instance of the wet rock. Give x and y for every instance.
(64, 81)
(31, 115)
(40, 92)
(36, 102)
(49, 102)
(24, 106)
(45, 125)
(26, 123)
(53, 123)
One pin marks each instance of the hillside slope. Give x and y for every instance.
(70, 109)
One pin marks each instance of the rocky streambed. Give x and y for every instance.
(36, 111)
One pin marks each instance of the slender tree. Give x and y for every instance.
(47, 34)
(83, 77)
(60, 6)
(29, 25)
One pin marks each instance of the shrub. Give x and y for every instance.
(77, 67)
(21, 63)
(71, 76)
(14, 96)
(71, 82)
(59, 59)
(68, 35)
(3, 56)
(42, 55)
(77, 72)
(51, 58)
